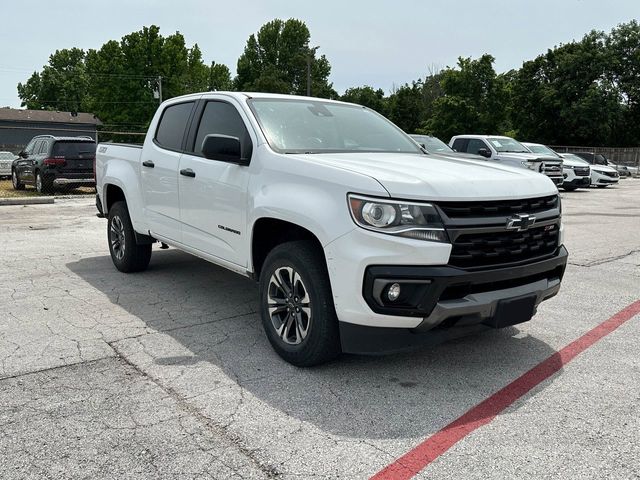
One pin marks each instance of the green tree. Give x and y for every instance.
(275, 60)
(119, 82)
(622, 50)
(368, 97)
(566, 97)
(219, 77)
(62, 84)
(406, 108)
(473, 99)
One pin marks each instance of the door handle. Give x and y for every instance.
(148, 163)
(187, 172)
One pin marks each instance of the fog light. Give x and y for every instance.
(393, 292)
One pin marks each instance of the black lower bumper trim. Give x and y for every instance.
(363, 340)
(447, 283)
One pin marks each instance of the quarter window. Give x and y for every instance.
(172, 125)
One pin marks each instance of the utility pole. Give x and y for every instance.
(311, 52)
(160, 87)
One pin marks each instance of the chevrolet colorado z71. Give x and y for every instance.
(360, 241)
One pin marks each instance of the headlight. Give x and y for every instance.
(420, 221)
(528, 165)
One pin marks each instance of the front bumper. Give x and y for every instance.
(456, 303)
(557, 180)
(577, 182)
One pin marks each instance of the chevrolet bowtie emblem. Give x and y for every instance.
(520, 222)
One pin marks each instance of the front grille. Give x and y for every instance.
(552, 170)
(610, 174)
(496, 248)
(498, 208)
(581, 171)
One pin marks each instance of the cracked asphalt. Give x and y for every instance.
(167, 373)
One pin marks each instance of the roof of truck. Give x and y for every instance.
(248, 95)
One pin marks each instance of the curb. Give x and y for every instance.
(26, 201)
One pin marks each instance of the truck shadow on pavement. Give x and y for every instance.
(203, 339)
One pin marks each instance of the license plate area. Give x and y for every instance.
(512, 311)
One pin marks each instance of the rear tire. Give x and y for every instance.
(43, 186)
(602, 186)
(17, 184)
(126, 254)
(296, 305)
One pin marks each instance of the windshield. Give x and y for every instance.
(507, 145)
(432, 144)
(542, 149)
(309, 126)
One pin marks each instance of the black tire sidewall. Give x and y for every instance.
(136, 257)
(322, 341)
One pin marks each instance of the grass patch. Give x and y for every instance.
(7, 191)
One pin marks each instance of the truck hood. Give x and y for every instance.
(433, 177)
(530, 157)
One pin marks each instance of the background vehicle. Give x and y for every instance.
(575, 171)
(358, 244)
(508, 151)
(600, 159)
(602, 175)
(48, 162)
(6, 158)
(436, 146)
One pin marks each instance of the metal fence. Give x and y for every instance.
(628, 156)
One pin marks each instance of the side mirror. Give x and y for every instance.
(223, 148)
(484, 152)
(22, 154)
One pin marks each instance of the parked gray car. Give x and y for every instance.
(5, 163)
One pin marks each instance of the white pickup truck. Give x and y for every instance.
(507, 151)
(360, 241)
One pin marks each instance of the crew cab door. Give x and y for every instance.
(159, 171)
(213, 193)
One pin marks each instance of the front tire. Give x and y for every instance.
(15, 181)
(296, 304)
(126, 254)
(602, 186)
(569, 189)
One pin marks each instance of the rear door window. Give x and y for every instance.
(173, 125)
(74, 149)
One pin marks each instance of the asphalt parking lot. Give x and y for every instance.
(167, 373)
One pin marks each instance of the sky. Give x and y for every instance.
(374, 43)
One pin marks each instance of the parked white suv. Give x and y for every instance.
(360, 242)
(507, 151)
(575, 171)
(602, 175)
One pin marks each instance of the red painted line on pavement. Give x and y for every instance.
(426, 452)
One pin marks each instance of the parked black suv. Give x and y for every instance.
(48, 162)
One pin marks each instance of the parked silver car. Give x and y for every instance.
(6, 158)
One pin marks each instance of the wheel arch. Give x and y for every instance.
(269, 232)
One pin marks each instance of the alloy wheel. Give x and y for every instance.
(289, 305)
(116, 237)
